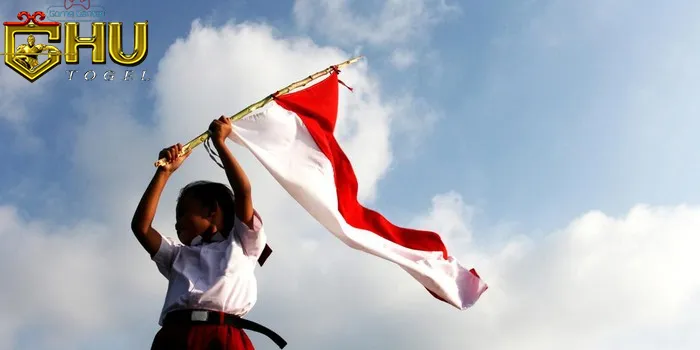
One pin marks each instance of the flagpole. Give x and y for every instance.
(301, 83)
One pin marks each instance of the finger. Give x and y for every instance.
(182, 153)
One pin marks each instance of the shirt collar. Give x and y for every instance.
(217, 237)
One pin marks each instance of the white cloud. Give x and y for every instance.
(449, 216)
(376, 23)
(66, 280)
(601, 282)
(402, 59)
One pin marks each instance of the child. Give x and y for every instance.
(211, 272)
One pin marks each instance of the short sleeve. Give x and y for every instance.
(165, 256)
(253, 240)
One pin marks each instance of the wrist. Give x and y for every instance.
(163, 172)
(218, 143)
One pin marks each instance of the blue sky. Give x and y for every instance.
(534, 112)
(505, 97)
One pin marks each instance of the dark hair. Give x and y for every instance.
(209, 194)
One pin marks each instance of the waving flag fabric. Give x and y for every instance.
(292, 137)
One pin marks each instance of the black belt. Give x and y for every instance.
(215, 317)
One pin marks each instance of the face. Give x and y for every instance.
(30, 41)
(193, 219)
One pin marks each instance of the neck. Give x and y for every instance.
(208, 234)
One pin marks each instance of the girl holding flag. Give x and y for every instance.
(211, 270)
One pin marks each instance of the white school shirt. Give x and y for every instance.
(216, 276)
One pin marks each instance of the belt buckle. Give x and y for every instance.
(199, 315)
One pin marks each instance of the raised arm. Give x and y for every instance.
(47, 48)
(141, 224)
(220, 129)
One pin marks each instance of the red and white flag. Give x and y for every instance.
(292, 137)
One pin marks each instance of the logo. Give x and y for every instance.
(75, 10)
(106, 38)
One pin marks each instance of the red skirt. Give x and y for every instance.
(201, 337)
